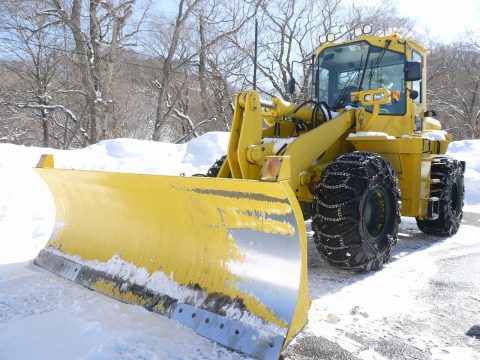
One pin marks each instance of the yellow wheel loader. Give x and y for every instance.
(226, 254)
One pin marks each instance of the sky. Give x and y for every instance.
(443, 21)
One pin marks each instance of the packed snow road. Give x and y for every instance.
(424, 304)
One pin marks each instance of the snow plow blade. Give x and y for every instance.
(224, 257)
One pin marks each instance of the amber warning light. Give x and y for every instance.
(395, 96)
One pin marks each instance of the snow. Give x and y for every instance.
(468, 151)
(157, 282)
(400, 282)
(26, 213)
(127, 156)
(43, 316)
(371, 134)
(435, 135)
(278, 143)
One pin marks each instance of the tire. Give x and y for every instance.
(215, 168)
(451, 191)
(356, 212)
(306, 210)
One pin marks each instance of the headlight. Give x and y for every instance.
(378, 96)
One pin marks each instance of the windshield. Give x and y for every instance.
(359, 66)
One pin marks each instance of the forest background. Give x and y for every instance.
(74, 72)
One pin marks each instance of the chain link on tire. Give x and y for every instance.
(356, 212)
(450, 190)
(215, 168)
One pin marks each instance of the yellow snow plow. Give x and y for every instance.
(226, 258)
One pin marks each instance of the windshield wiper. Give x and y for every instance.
(377, 62)
(348, 87)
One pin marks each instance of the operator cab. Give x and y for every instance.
(357, 66)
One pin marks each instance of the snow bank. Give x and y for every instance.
(469, 151)
(127, 155)
(26, 214)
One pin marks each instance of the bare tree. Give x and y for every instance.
(97, 42)
(73, 72)
(454, 87)
(383, 18)
(180, 50)
(28, 44)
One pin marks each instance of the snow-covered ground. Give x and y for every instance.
(469, 151)
(43, 316)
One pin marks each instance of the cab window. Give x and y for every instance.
(417, 85)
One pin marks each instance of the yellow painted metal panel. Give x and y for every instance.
(304, 150)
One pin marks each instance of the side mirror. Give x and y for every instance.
(413, 71)
(413, 94)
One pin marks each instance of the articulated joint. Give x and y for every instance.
(306, 178)
(250, 97)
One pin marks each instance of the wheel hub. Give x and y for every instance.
(375, 212)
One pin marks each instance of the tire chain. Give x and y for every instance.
(215, 168)
(358, 162)
(444, 169)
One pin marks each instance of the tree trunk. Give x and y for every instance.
(45, 128)
(202, 69)
(160, 116)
